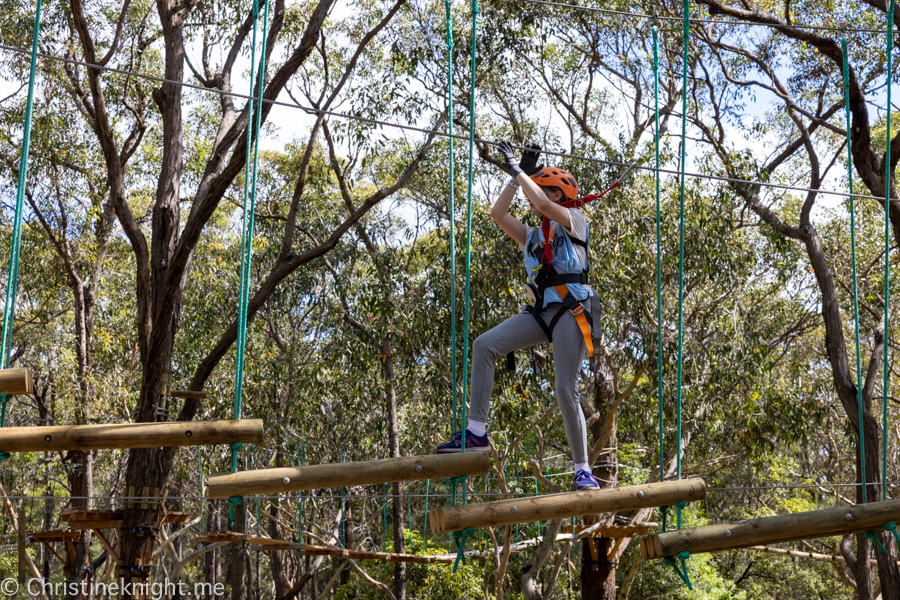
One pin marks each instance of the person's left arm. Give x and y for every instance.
(533, 191)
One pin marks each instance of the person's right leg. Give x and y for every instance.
(517, 332)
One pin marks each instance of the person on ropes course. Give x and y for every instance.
(556, 265)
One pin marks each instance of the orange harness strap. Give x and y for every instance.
(578, 313)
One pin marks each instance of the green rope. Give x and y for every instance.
(254, 116)
(682, 556)
(870, 535)
(664, 513)
(453, 351)
(465, 365)
(233, 503)
(887, 253)
(686, 9)
(459, 538)
(680, 506)
(859, 400)
(16, 245)
(892, 527)
(683, 571)
(453, 481)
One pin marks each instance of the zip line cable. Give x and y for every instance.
(452, 160)
(319, 111)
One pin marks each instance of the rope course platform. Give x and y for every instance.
(565, 505)
(16, 381)
(130, 435)
(56, 536)
(79, 519)
(383, 470)
(771, 530)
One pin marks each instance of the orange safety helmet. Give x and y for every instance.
(553, 177)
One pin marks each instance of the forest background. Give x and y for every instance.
(131, 257)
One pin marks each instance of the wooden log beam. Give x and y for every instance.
(772, 530)
(130, 435)
(16, 381)
(565, 505)
(384, 470)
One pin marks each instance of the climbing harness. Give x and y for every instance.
(562, 279)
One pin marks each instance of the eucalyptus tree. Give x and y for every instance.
(152, 165)
(801, 70)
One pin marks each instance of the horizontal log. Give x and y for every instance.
(773, 530)
(384, 470)
(16, 381)
(565, 505)
(130, 435)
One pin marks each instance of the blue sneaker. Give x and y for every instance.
(586, 481)
(473, 442)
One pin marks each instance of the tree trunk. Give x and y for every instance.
(82, 485)
(396, 490)
(238, 559)
(598, 576)
(212, 570)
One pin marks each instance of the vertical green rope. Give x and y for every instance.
(465, 365)
(685, 31)
(859, 400)
(247, 233)
(681, 230)
(254, 115)
(887, 251)
(659, 340)
(15, 247)
(453, 349)
(460, 537)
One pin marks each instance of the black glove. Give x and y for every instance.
(529, 160)
(509, 158)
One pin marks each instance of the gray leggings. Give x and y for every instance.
(522, 331)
